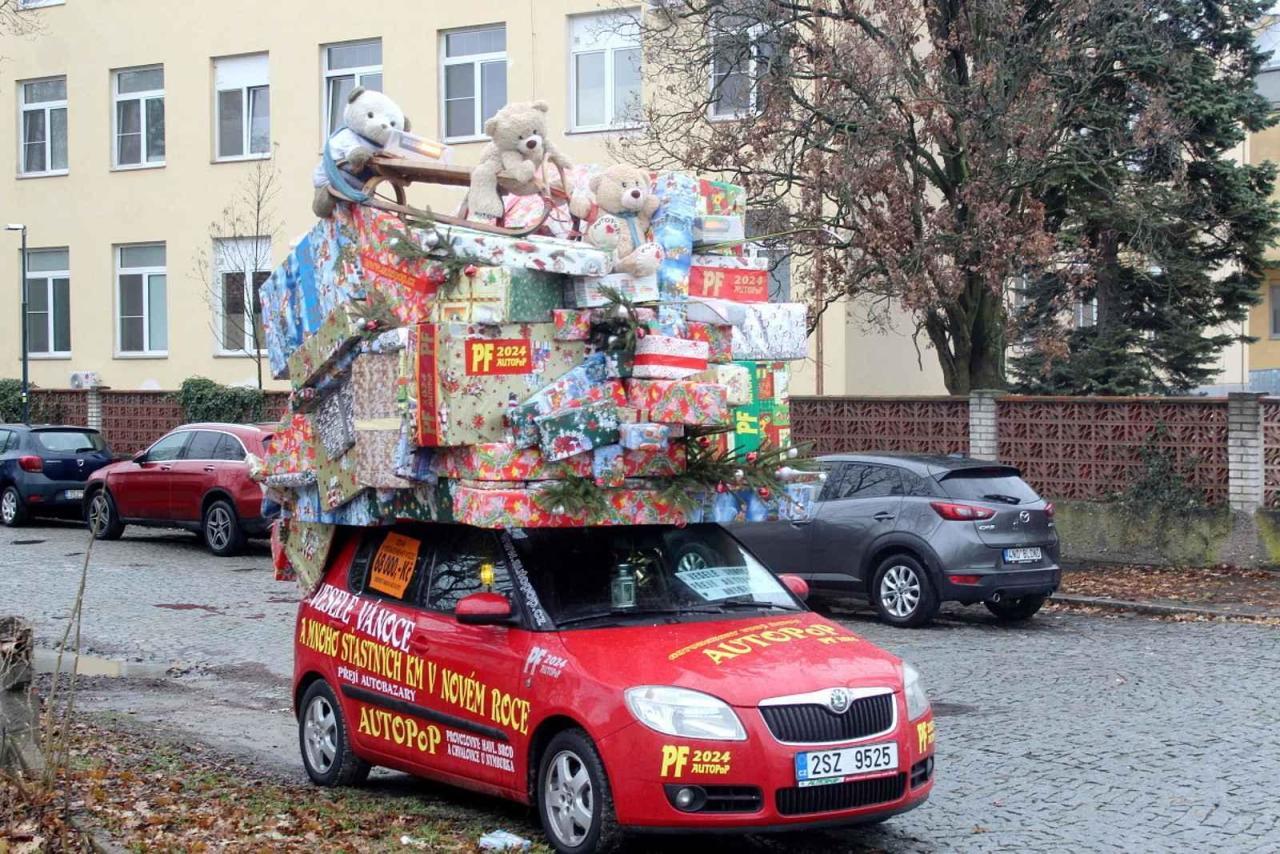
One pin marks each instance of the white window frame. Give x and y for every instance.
(754, 34)
(38, 4)
(356, 72)
(143, 97)
(48, 276)
(612, 44)
(230, 261)
(476, 60)
(45, 107)
(146, 272)
(246, 102)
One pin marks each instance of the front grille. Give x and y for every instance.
(921, 772)
(840, 796)
(810, 723)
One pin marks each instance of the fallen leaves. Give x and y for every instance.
(1219, 587)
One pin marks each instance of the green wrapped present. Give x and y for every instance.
(572, 431)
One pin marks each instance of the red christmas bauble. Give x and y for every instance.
(764, 492)
(470, 270)
(752, 457)
(722, 488)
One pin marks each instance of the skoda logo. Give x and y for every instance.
(839, 700)
(1024, 517)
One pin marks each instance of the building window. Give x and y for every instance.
(242, 98)
(243, 264)
(347, 66)
(1086, 313)
(38, 4)
(141, 300)
(604, 71)
(44, 126)
(742, 57)
(139, 116)
(48, 302)
(474, 76)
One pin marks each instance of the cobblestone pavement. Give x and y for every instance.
(1074, 733)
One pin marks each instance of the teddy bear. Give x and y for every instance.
(620, 193)
(517, 146)
(369, 119)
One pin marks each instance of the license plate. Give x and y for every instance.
(1021, 555)
(74, 494)
(823, 767)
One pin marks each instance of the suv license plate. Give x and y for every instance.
(74, 494)
(1021, 555)
(822, 767)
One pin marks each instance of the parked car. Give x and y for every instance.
(909, 532)
(194, 477)
(645, 678)
(43, 469)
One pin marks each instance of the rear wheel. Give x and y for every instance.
(573, 797)
(103, 518)
(902, 593)
(322, 736)
(13, 511)
(222, 531)
(1016, 610)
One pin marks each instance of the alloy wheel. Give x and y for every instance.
(568, 798)
(320, 734)
(900, 590)
(9, 506)
(217, 528)
(99, 513)
(691, 561)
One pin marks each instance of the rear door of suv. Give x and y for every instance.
(859, 503)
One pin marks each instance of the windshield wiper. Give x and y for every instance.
(620, 612)
(728, 606)
(1005, 499)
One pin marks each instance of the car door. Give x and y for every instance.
(784, 545)
(192, 474)
(856, 506)
(141, 487)
(476, 686)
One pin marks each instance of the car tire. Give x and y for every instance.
(902, 593)
(102, 517)
(1016, 610)
(322, 738)
(573, 790)
(13, 510)
(223, 533)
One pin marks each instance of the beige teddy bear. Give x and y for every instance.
(518, 145)
(368, 121)
(622, 193)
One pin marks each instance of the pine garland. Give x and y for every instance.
(448, 269)
(575, 496)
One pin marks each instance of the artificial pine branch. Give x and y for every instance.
(575, 496)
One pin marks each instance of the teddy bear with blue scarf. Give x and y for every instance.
(369, 120)
(620, 198)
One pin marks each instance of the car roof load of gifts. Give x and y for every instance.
(597, 350)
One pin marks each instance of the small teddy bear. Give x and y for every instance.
(368, 121)
(518, 145)
(623, 193)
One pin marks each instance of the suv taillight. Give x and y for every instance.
(1048, 509)
(960, 512)
(30, 462)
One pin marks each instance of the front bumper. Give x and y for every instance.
(750, 786)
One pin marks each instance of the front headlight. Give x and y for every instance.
(684, 713)
(917, 699)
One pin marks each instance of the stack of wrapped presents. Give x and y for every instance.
(451, 374)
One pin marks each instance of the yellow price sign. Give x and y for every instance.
(393, 565)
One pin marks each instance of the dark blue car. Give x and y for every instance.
(43, 470)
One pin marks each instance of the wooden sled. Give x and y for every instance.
(398, 173)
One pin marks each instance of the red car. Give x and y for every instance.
(631, 679)
(194, 477)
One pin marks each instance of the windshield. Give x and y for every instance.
(69, 441)
(1002, 485)
(591, 577)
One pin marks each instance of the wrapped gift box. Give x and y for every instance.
(572, 324)
(766, 418)
(525, 507)
(468, 377)
(680, 402)
(644, 435)
(586, 383)
(362, 511)
(341, 331)
(567, 432)
(531, 251)
(663, 357)
(503, 461)
(336, 277)
(717, 312)
(736, 379)
(713, 229)
(587, 291)
(772, 331)
(607, 467)
(720, 198)
(420, 503)
(502, 295)
(334, 422)
(411, 287)
(718, 337)
(655, 462)
(306, 545)
(731, 262)
(731, 283)
(678, 194)
(292, 447)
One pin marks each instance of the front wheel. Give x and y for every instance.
(1016, 610)
(222, 531)
(902, 593)
(322, 735)
(103, 518)
(573, 796)
(13, 511)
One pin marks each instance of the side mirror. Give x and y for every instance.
(797, 585)
(483, 609)
(140, 457)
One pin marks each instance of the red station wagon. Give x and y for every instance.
(194, 477)
(628, 679)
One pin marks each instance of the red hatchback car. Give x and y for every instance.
(641, 679)
(194, 477)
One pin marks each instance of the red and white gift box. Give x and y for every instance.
(663, 357)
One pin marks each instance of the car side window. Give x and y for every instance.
(390, 565)
(915, 485)
(169, 448)
(470, 561)
(202, 445)
(6, 436)
(229, 448)
(859, 480)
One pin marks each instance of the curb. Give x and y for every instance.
(1153, 608)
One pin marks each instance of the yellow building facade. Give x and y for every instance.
(133, 124)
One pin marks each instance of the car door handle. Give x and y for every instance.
(799, 523)
(883, 517)
(210, 468)
(165, 468)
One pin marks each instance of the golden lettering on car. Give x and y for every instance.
(925, 734)
(398, 729)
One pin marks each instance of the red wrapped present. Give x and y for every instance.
(664, 357)
(680, 402)
(734, 283)
(503, 461)
(719, 338)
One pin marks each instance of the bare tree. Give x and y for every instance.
(238, 259)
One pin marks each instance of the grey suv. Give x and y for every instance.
(910, 532)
